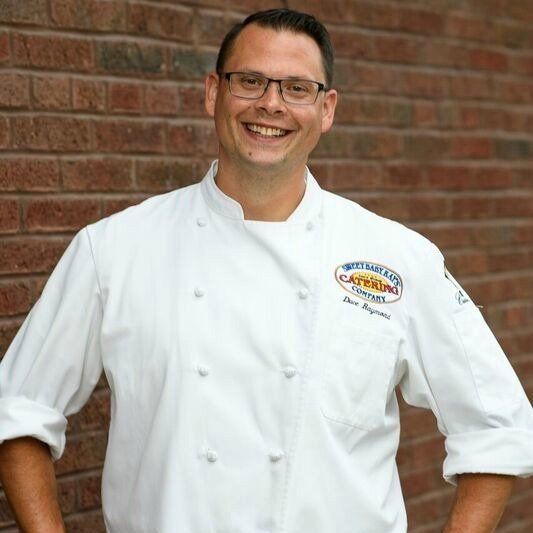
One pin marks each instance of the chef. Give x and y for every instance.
(253, 329)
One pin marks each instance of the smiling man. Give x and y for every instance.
(253, 338)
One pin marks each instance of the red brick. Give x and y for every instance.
(469, 86)
(520, 92)
(4, 132)
(472, 148)
(212, 27)
(8, 330)
(28, 255)
(50, 92)
(4, 47)
(89, 492)
(488, 60)
(102, 174)
(82, 452)
(419, 21)
(9, 216)
(52, 52)
(415, 483)
(14, 298)
(444, 54)
(350, 175)
(515, 205)
(14, 91)
(66, 495)
(125, 97)
(511, 35)
(170, 23)
(370, 78)
(426, 208)
(370, 14)
(402, 177)
(336, 11)
(350, 42)
(94, 416)
(25, 174)
(191, 101)
(181, 140)
(426, 147)
(164, 175)
(396, 49)
(468, 27)
(26, 12)
(129, 136)
(37, 286)
(88, 95)
(60, 214)
(468, 263)
(472, 207)
(161, 99)
(424, 84)
(51, 134)
(187, 64)
(522, 65)
(90, 15)
(130, 58)
(463, 177)
(421, 452)
(425, 113)
(362, 110)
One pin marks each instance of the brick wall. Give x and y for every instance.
(101, 106)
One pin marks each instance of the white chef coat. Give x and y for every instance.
(252, 365)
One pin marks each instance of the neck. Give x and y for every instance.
(263, 195)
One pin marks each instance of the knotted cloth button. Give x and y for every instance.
(310, 226)
(289, 371)
(199, 292)
(303, 293)
(201, 222)
(211, 455)
(203, 370)
(276, 455)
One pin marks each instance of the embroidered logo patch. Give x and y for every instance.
(370, 281)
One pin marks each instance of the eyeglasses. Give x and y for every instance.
(253, 87)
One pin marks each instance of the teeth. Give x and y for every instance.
(268, 132)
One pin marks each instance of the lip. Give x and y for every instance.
(263, 139)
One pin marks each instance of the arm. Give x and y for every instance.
(479, 503)
(28, 478)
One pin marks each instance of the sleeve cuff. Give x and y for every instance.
(506, 451)
(20, 417)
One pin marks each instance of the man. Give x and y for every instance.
(252, 329)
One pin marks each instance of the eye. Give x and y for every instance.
(298, 87)
(251, 82)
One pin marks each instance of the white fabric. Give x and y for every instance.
(252, 392)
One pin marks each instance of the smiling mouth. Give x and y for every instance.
(266, 131)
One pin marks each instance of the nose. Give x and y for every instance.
(272, 101)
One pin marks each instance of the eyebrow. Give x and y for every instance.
(258, 73)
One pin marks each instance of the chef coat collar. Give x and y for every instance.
(308, 208)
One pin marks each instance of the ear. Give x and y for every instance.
(211, 91)
(328, 109)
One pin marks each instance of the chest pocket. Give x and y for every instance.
(357, 375)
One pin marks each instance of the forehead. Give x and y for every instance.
(276, 53)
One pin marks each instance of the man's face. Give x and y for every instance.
(241, 123)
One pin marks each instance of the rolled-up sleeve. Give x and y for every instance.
(455, 366)
(54, 361)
